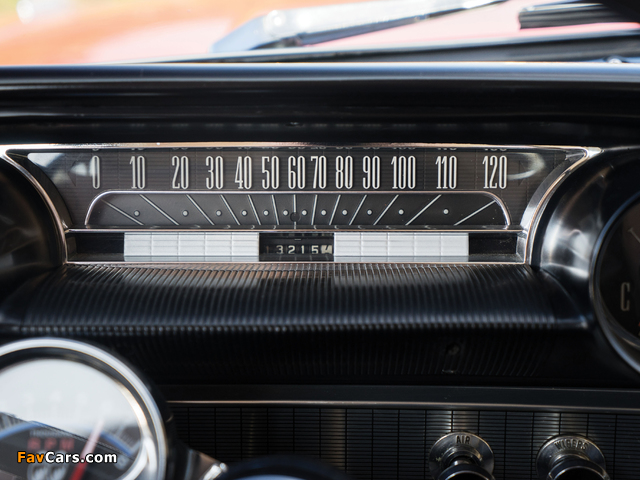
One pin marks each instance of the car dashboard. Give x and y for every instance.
(402, 271)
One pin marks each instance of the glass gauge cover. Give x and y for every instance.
(69, 411)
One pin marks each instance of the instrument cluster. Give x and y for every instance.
(299, 202)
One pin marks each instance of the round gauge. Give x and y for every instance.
(70, 411)
(618, 275)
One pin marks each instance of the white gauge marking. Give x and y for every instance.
(357, 209)
(159, 209)
(634, 234)
(315, 204)
(335, 207)
(385, 210)
(474, 213)
(229, 208)
(253, 207)
(423, 210)
(275, 210)
(123, 213)
(200, 210)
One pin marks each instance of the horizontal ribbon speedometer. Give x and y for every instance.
(288, 187)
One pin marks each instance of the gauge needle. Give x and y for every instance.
(92, 441)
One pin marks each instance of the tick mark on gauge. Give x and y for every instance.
(266, 213)
(369, 212)
(344, 212)
(137, 213)
(165, 214)
(446, 211)
(385, 210)
(195, 204)
(219, 213)
(400, 212)
(634, 234)
(124, 213)
(304, 213)
(474, 213)
(323, 213)
(185, 213)
(285, 212)
(244, 213)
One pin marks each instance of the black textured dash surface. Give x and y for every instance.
(264, 322)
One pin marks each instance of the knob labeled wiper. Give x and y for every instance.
(568, 457)
(307, 26)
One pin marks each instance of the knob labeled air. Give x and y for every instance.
(571, 457)
(461, 456)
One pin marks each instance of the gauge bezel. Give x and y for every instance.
(152, 430)
(622, 341)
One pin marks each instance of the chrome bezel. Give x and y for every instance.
(577, 155)
(152, 429)
(624, 343)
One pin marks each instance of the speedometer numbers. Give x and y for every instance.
(291, 201)
(281, 186)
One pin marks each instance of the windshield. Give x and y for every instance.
(96, 31)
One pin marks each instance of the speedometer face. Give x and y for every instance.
(292, 202)
(63, 420)
(618, 281)
(285, 186)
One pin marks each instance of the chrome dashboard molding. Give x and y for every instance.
(413, 397)
(61, 227)
(540, 199)
(530, 219)
(154, 433)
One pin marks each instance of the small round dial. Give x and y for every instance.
(618, 274)
(70, 411)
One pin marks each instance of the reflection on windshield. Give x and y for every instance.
(87, 31)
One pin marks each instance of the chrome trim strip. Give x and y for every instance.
(346, 146)
(171, 263)
(540, 199)
(391, 404)
(311, 229)
(60, 225)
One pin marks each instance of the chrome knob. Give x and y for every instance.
(571, 457)
(461, 456)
